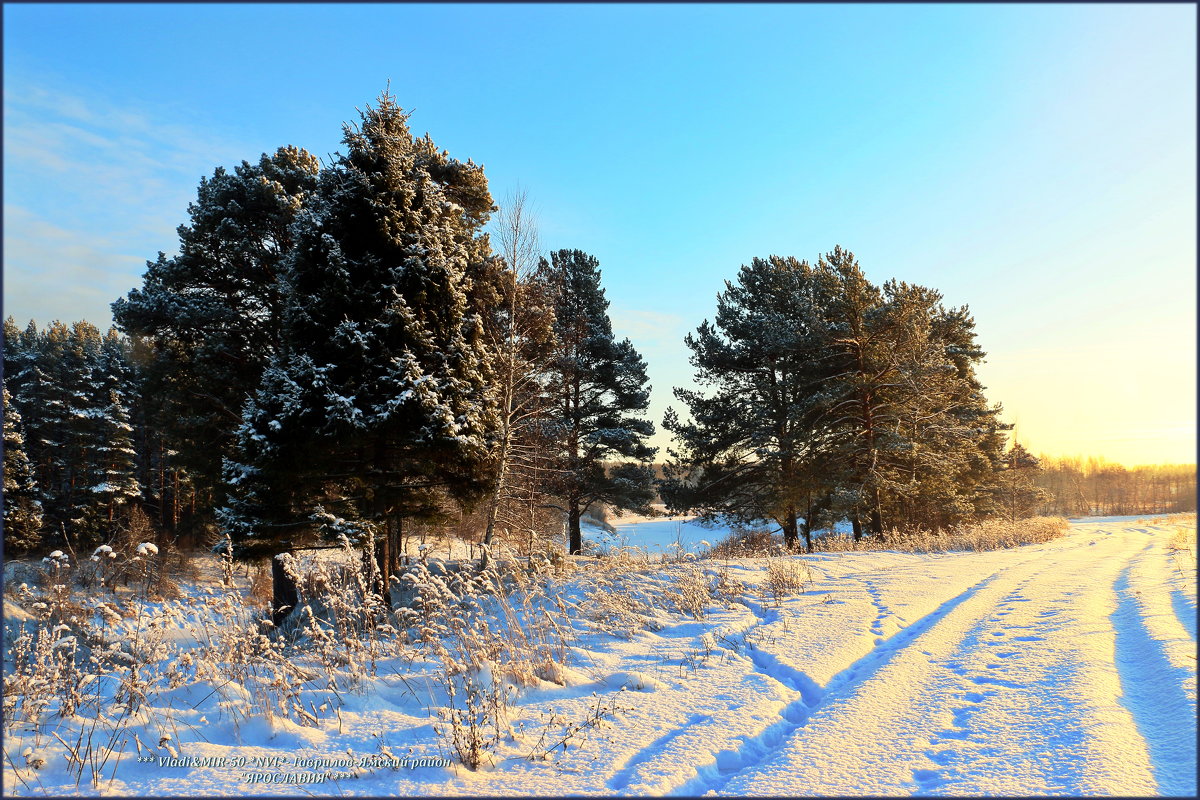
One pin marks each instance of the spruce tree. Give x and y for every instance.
(379, 398)
(22, 503)
(598, 391)
(73, 390)
(114, 460)
(1015, 488)
(53, 401)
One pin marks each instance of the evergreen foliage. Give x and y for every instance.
(834, 397)
(1015, 490)
(752, 448)
(211, 316)
(22, 503)
(335, 350)
(598, 390)
(71, 388)
(378, 401)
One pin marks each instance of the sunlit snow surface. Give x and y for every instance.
(1066, 668)
(667, 535)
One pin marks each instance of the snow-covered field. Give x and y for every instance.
(1062, 668)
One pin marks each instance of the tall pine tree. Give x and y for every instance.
(599, 392)
(752, 445)
(911, 430)
(211, 316)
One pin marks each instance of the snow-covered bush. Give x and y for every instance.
(988, 534)
(1183, 545)
(785, 577)
(691, 592)
(616, 600)
(491, 633)
(342, 619)
(745, 543)
(725, 588)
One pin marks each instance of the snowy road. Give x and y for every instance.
(1068, 674)
(1064, 668)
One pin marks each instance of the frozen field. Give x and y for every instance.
(1064, 668)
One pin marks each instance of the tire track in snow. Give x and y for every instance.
(1153, 694)
(773, 768)
(1051, 681)
(1185, 611)
(981, 635)
(624, 775)
(714, 776)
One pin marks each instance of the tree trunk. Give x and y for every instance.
(856, 526)
(576, 536)
(806, 528)
(284, 595)
(789, 529)
(174, 500)
(876, 521)
(383, 563)
(398, 549)
(493, 511)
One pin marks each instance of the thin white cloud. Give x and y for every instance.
(55, 273)
(646, 328)
(93, 189)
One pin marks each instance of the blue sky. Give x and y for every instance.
(1037, 162)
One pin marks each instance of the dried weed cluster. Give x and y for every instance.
(990, 534)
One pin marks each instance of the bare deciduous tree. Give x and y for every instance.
(520, 332)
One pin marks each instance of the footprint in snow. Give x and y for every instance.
(960, 735)
(983, 679)
(927, 778)
(943, 757)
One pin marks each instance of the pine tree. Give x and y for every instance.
(115, 459)
(31, 369)
(751, 448)
(1015, 489)
(22, 503)
(912, 427)
(834, 397)
(598, 389)
(210, 317)
(53, 402)
(97, 462)
(379, 398)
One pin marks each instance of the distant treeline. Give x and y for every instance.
(1092, 486)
